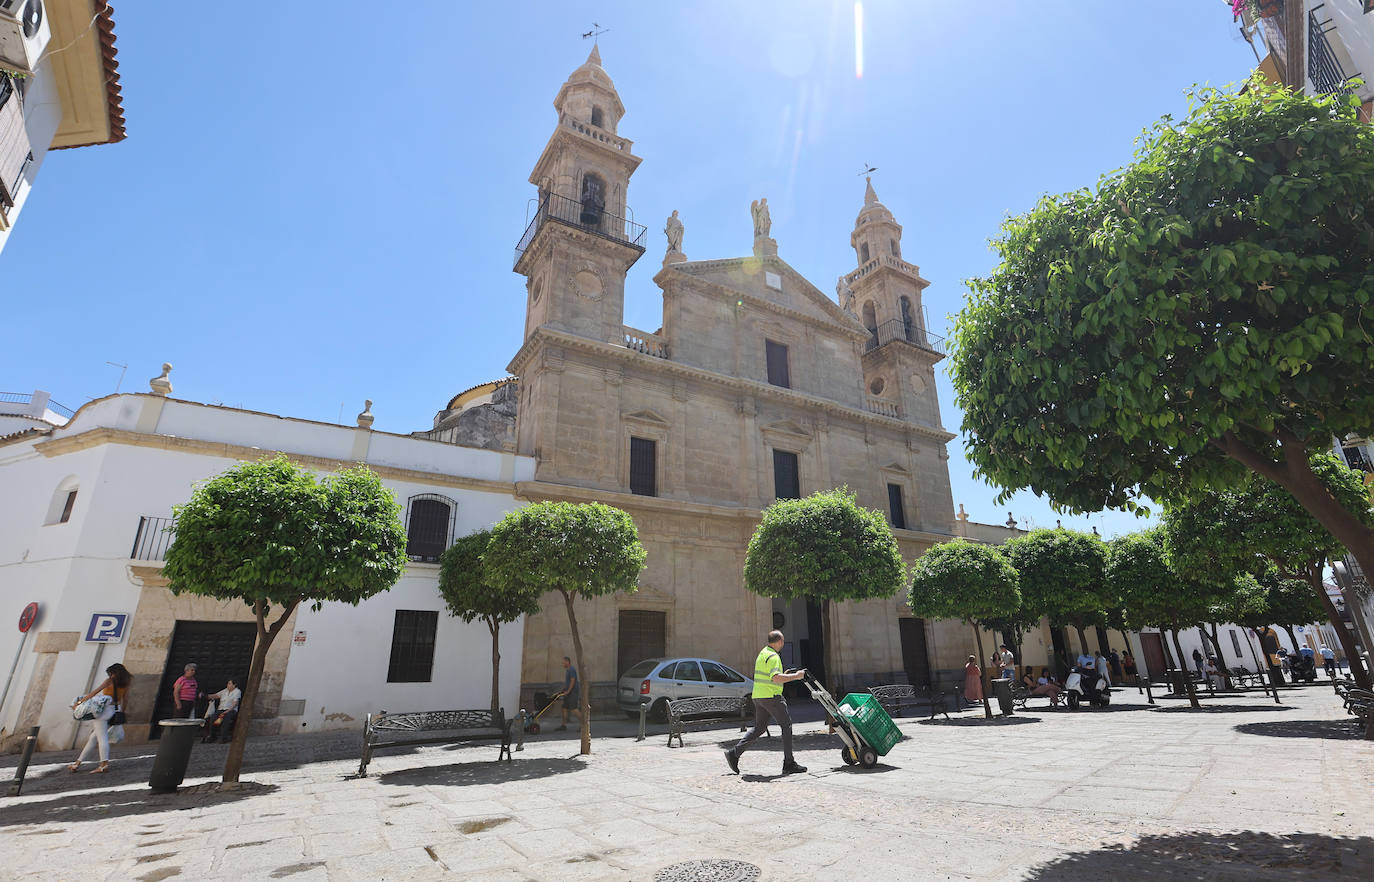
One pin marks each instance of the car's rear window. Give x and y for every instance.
(641, 670)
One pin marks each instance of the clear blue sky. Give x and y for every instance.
(319, 204)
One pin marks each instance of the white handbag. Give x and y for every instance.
(92, 708)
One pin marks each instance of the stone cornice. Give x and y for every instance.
(104, 435)
(545, 335)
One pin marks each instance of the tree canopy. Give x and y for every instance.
(1061, 577)
(825, 546)
(1199, 313)
(271, 535)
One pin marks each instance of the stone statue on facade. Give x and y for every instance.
(763, 223)
(673, 230)
(846, 296)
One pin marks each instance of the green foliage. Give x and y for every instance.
(1245, 603)
(269, 531)
(1259, 524)
(825, 546)
(582, 549)
(1290, 602)
(963, 580)
(465, 588)
(1150, 593)
(1061, 575)
(1211, 297)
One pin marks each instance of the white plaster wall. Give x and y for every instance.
(1352, 39)
(42, 115)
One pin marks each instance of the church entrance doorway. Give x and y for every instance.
(643, 634)
(219, 650)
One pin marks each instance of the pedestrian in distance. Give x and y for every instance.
(116, 686)
(1114, 660)
(973, 681)
(185, 691)
(1197, 662)
(769, 705)
(1329, 661)
(1128, 667)
(1006, 662)
(572, 694)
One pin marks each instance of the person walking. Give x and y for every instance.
(769, 705)
(973, 681)
(1329, 661)
(572, 694)
(116, 686)
(185, 690)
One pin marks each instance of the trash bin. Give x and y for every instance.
(173, 754)
(1001, 690)
(1178, 681)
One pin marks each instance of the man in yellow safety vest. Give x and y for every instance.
(769, 705)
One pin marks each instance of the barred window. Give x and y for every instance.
(643, 465)
(412, 646)
(429, 526)
(786, 480)
(894, 505)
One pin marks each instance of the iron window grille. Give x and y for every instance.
(430, 521)
(643, 465)
(412, 646)
(778, 374)
(894, 504)
(786, 478)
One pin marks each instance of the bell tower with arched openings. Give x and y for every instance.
(899, 358)
(580, 241)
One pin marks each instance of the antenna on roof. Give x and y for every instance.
(596, 31)
(122, 369)
(868, 170)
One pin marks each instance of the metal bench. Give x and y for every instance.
(705, 710)
(899, 696)
(1019, 695)
(1243, 677)
(383, 729)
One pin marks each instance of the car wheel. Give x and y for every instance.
(658, 712)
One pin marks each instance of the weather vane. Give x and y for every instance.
(868, 170)
(596, 31)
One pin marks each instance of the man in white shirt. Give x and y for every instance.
(225, 713)
(1006, 662)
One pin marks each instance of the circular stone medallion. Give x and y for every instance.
(709, 871)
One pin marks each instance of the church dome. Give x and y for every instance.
(592, 73)
(873, 210)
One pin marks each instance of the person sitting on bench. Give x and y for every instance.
(227, 711)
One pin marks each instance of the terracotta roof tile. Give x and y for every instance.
(104, 24)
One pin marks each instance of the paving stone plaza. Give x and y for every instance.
(1243, 789)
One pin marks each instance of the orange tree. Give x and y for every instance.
(271, 535)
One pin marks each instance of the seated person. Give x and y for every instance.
(221, 723)
(1028, 678)
(1046, 685)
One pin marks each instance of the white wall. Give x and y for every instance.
(1352, 39)
(42, 115)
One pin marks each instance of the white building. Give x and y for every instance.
(84, 505)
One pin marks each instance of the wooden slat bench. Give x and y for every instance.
(899, 696)
(705, 710)
(384, 729)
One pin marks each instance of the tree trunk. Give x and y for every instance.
(1293, 637)
(1082, 638)
(982, 666)
(584, 689)
(495, 628)
(1222, 666)
(233, 762)
(1347, 640)
(832, 671)
(1168, 655)
(1295, 475)
(1187, 676)
(1260, 666)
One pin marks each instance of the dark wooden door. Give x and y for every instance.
(219, 650)
(915, 658)
(643, 634)
(1152, 645)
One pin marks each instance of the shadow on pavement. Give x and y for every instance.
(468, 774)
(1224, 709)
(1348, 730)
(102, 805)
(1016, 720)
(1219, 855)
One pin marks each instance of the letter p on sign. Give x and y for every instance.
(107, 627)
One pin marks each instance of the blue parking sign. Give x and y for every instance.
(107, 627)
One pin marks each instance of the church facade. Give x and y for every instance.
(758, 386)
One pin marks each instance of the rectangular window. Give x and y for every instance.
(778, 374)
(786, 480)
(67, 508)
(643, 463)
(429, 528)
(1235, 642)
(894, 505)
(412, 646)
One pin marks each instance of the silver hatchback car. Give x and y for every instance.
(662, 679)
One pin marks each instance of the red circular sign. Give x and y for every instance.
(27, 617)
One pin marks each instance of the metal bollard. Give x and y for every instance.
(643, 715)
(29, 744)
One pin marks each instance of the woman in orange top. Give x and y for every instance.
(116, 686)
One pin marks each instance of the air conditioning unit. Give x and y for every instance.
(24, 34)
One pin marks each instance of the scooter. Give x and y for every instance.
(1302, 667)
(1086, 684)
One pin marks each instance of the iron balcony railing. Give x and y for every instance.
(899, 329)
(1323, 67)
(588, 216)
(154, 537)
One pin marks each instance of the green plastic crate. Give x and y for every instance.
(873, 723)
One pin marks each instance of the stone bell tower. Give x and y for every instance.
(579, 242)
(899, 359)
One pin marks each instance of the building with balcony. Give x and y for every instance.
(87, 521)
(1322, 47)
(59, 88)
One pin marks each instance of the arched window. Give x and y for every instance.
(870, 317)
(593, 198)
(863, 253)
(429, 526)
(63, 501)
(908, 320)
(597, 118)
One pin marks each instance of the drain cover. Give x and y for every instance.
(708, 871)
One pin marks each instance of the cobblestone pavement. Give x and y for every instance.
(1243, 789)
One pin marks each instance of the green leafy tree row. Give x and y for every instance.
(271, 535)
